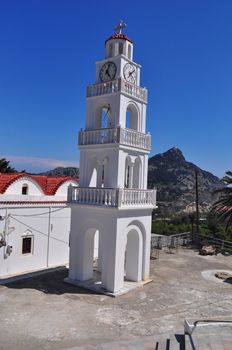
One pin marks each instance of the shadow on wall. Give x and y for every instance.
(51, 282)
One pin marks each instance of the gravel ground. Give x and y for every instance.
(43, 312)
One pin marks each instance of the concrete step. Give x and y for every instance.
(208, 335)
(175, 342)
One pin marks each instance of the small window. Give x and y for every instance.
(110, 50)
(25, 190)
(27, 245)
(120, 48)
(129, 52)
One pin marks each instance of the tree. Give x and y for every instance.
(223, 206)
(5, 167)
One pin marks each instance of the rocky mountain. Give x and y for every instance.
(174, 178)
(61, 171)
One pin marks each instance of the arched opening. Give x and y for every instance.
(25, 189)
(93, 171)
(120, 49)
(93, 178)
(132, 117)
(137, 173)
(129, 51)
(134, 255)
(110, 50)
(105, 172)
(90, 253)
(128, 173)
(103, 117)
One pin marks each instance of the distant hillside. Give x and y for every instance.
(61, 171)
(174, 178)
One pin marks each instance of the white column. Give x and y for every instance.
(99, 174)
(113, 258)
(131, 177)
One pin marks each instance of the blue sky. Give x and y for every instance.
(48, 54)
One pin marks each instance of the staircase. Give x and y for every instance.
(197, 335)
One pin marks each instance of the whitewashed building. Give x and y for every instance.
(34, 222)
(112, 206)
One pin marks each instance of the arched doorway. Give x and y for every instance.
(134, 254)
(93, 170)
(103, 117)
(137, 173)
(132, 117)
(128, 173)
(87, 256)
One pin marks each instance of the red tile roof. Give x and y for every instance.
(31, 202)
(119, 36)
(48, 184)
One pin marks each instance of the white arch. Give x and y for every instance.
(138, 225)
(132, 116)
(137, 173)
(82, 250)
(93, 172)
(105, 108)
(128, 172)
(134, 253)
(63, 188)
(33, 186)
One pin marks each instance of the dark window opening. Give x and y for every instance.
(25, 190)
(27, 245)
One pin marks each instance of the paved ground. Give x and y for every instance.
(45, 313)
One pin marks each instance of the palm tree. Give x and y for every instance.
(5, 167)
(223, 206)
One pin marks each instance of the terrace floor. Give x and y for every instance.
(43, 312)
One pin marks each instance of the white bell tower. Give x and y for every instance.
(111, 209)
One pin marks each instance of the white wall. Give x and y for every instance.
(62, 190)
(48, 225)
(16, 187)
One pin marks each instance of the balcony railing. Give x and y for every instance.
(120, 135)
(111, 197)
(118, 85)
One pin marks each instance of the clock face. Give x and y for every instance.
(129, 73)
(108, 71)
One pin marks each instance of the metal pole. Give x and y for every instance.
(197, 202)
(49, 232)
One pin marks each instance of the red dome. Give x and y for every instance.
(119, 36)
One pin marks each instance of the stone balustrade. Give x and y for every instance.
(118, 85)
(120, 135)
(111, 197)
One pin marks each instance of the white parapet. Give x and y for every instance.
(111, 197)
(118, 85)
(119, 135)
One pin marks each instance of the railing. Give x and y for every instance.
(118, 85)
(115, 135)
(111, 197)
(220, 244)
(172, 241)
(134, 138)
(131, 197)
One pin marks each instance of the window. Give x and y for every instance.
(27, 245)
(120, 48)
(110, 50)
(24, 189)
(129, 52)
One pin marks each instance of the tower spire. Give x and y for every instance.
(121, 25)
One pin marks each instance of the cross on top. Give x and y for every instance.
(121, 25)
